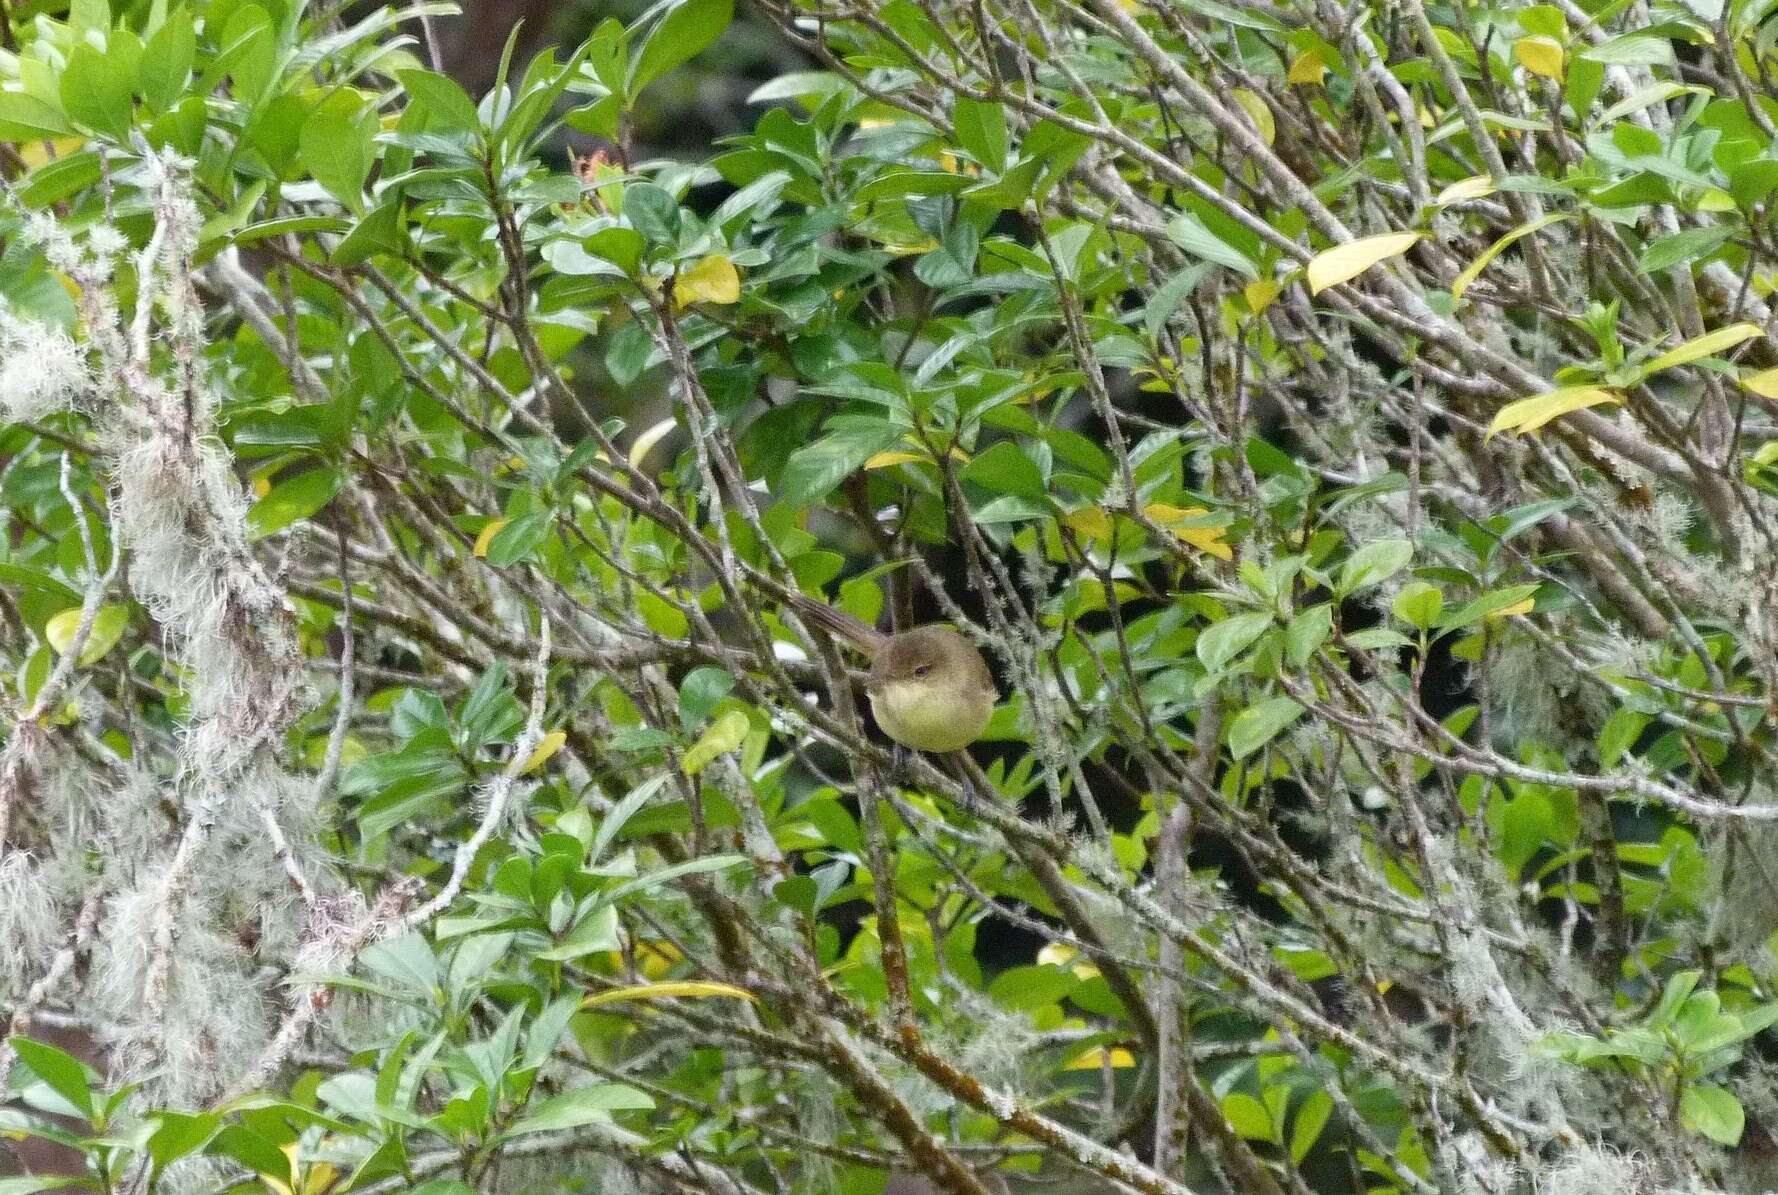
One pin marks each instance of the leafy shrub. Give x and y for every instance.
(1347, 432)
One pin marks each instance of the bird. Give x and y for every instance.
(929, 687)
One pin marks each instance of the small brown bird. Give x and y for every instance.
(929, 687)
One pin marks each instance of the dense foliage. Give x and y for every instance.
(1347, 429)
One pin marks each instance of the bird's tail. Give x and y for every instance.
(837, 622)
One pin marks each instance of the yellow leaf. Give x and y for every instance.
(1540, 55)
(1204, 539)
(262, 486)
(546, 747)
(1093, 1059)
(1060, 954)
(1764, 383)
(639, 448)
(36, 153)
(657, 958)
(1474, 269)
(1476, 186)
(713, 279)
(1308, 67)
(693, 988)
(487, 536)
(352, 749)
(283, 1185)
(724, 735)
(108, 627)
(1703, 346)
(1524, 607)
(896, 249)
(1257, 111)
(947, 162)
(1715, 199)
(322, 1176)
(1529, 414)
(1342, 263)
(1091, 521)
(894, 456)
(1260, 294)
(1207, 540)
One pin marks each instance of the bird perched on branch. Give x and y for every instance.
(929, 687)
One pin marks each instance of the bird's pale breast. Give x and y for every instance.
(913, 714)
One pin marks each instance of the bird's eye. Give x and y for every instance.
(923, 669)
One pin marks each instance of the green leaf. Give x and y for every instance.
(981, 131)
(625, 809)
(1713, 1111)
(1006, 469)
(1256, 726)
(520, 537)
(42, 1182)
(622, 247)
(443, 97)
(1488, 603)
(407, 960)
(252, 1150)
(291, 500)
(1247, 1116)
(1703, 346)
(1194, 236)
(1307, 632)
(166, 61)
(597, 932)
(628, 353)
(336, 145)
(1222, 642)
(1619, 734)
(64, 1073)
(686, 31)
(1419, 604)
(87, 16)
(1311, 1118)
(1373, 564)
(815, 469)
(108, 627)
(652, 212)
(1678, 990)
(252, 51)
(1631, 49)
(27, 118)
(96, 94)
(1681, 247)
(655, 879)
(379, 232)
(179, 1133)
(1028, 988)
